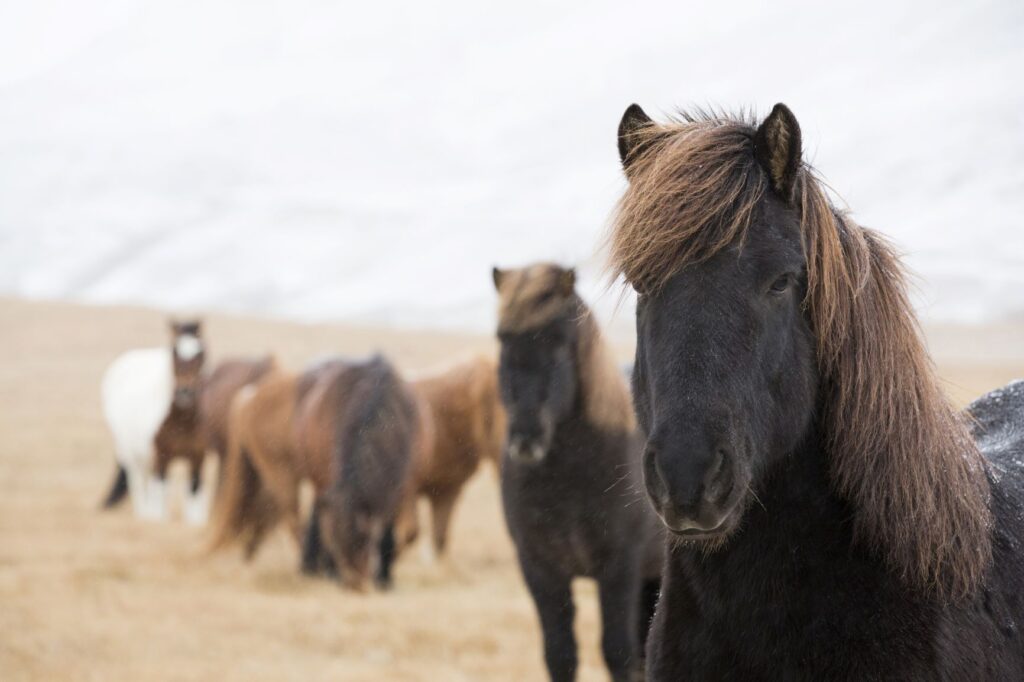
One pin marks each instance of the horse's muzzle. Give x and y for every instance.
(693, 502)
(526, 450)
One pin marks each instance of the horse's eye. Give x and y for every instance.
(546, 297)
(781, 284)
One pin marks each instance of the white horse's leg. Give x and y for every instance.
(156, 499)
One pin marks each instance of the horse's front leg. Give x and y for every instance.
(155, 508)
(619, 593)
(387, 550)
(197, 504)
(552, 595)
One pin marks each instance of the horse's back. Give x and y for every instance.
(998, 425)
(219, 391)
(998, 428)
(136, 392)
(378, 434)
(997, 618)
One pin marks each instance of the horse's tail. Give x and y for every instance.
(118, 489)
(242, 508)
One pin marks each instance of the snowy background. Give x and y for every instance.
(370, 162)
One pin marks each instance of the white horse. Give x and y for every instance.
(137, 391)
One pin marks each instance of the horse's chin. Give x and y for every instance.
(721, 526)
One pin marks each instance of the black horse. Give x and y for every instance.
(832, 516)
(571, 477)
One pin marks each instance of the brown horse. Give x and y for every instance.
(351, 428)
(218, 389)
(178, 435)
(468, 425)
(197, 421)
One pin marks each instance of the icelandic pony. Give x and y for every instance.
(137, 392)
(467, 426)
(197, 421)
(571, 476)
(352, 430)
(832, 516)
(179, 434)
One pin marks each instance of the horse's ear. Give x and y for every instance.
(632, 140)
(777, 148)
(497, 274)
(567, 281)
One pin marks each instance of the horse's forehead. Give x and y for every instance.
(520, 304)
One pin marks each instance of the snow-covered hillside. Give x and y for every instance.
(371, 161)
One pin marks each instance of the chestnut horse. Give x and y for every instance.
(139, 390)
(571, 478)
(833, 517)
(353, 430)
(218, 389)
(468, 426)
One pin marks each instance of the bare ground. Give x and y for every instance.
(86, 595)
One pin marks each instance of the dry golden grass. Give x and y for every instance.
(86, 595)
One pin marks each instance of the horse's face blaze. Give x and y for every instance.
(725, 375)
(538, 385)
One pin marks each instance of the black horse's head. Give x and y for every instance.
(725, 378)
(537, 329)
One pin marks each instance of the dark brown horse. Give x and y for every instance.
(833, 516)
(197, 421)
(351, 428)
(178, 435)
(467, 427)
(571, 478)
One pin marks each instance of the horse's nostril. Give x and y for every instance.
(653, 477)
(716, 479)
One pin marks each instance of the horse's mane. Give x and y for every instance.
(526, 302)
(606, 397)
(898, 450)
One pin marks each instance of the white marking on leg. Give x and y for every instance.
(427, 554)
(196, 508)
(156, 497)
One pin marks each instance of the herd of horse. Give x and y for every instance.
(785, 492)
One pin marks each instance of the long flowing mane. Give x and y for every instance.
(898, 450)
(525, 304)
(606, 397)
